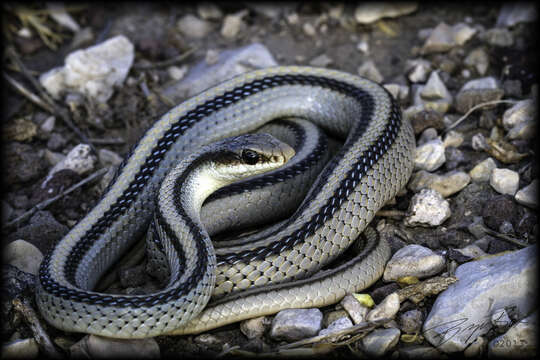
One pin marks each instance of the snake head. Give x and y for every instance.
(248, 155)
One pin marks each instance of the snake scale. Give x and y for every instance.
(273, 273)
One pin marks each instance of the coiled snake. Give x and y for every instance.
(268, 275)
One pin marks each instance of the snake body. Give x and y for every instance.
(374, 163)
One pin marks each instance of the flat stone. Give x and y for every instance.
(295, 324)
(504, 181)
(413, 260)
(482, 171)
(428, 208)
(380, 341)
(519, 339)
(463, 311)
(528, 196)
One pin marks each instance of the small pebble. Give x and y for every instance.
(482, 171)
(295, 324)
(369, 70)
(504, 181)
(339, 324)
(453, 138)
(411, 321)
(23, 255)
(428, 208)
(528, 196)
(430, 156)
(254, 328)
(193, 27)
(380, 341)
(414, 260)
(388, 308)
(355, 310)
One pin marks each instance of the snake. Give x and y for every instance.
(275, 272)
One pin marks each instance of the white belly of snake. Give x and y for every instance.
(261, 278)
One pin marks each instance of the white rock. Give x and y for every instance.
(370, 71)
(309, 29)
(413, 260)
(94, 71)
(523, 131)
(479, 60)
(296, 324)
(400, 92)
(388, 308)
(368, 13)
(445, 37)
(209, 11)
(488, 82)
(521, 112)
(453, 138)
(463, 311)
(23, 255)
(177, 73)
(520, 340)
(233, 24)
(528, 196)
(62, 17)
(434, 88)
(417, 70)
(322, 60)
(462, 33)
(430, 156)
(504, 181)
(230, 63)
(482, 171)
(354, 308)
(193, 27)
(337, 325)
(428, 208)
(380, 341)
(426, 136)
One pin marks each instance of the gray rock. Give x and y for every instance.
(518, 341)
(94, 71)
(478, 142)
(410, 322)
(504, 181)
(498, 209)
(433, 95)
(388, 308)
(413, 260)
(22, 163)
(445, 37)
(380, 341)
(339, 324)
(255, 328)
(498, 37)
(20, 349)
(400, 92)
(322, 60)
(295, 324)
(193, 27)
(454, 158)
(463, 311)
(472, 251)
(230, 63)
(528, 196)
(523, 131)
(426, 136)
(370, 12)
(106, 348)
(370, 71)
(23, 255)
(56, 142)
(515, 13)
(354, 308)
(482, 171)
(478, 59)
(48, 124)
(522, 112)
(428, 208)
(430, 156)
(446, 184)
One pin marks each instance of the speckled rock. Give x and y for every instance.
(428, 208)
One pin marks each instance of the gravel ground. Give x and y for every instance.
(465, 77)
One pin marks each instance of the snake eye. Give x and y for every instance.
(250, 157)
